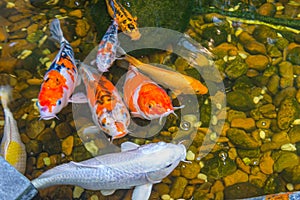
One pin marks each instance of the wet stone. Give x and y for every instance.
(255, 47)
(263, 123)
(34, 128)
(267, 9)
(190, 170)
(248, 153)
(294, 134)
(67, 145)
(31, 92)
(263, 34)
(266, 164)
(19, 25)
(161, 188)
(240, 100)
(286, 73)
(178, 187)
(273, 84)
(233, 114)
(63, 130)
(7, 64)
(237, 177)
(82, 28)
(236, 68)
(242, 190)
(288, 92)
(285, 160)
(287, 113)
(51, 143)
(217, 34)
(247, 124)
(294, 56)
(34, 147)
(257, 62)
(241, 139)
(292, 174)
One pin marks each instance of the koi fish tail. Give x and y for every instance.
(56, 31)
(5, 94)
(112, 4)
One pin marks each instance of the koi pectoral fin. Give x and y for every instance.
(142, 192)
(107, 192)
(78, 98)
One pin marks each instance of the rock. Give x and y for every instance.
(7, 64)
(82, 27)
(274, 184)
(242, 190)
(63, 130)
(34, 147)
(273, 84)
(254, 47)
(178, 187)
(249, 153)
(223, 49)
(286, 72)
(247, 124)
(51, 143)
(76, 13)
(241, 139)
(35, 36)
(34, 128)
(216, 34)
(237, 177)
(281, 43)
(40, 160)
(292, 174)
(294, 134)
(236, 68)
(257, 62)
(161, 188)
(31, 92)
(190, 170)
(288, 92)
(258, 179)
(67, 145)
(294, 56)
(274, 52)
(19, 25)
(267, 9)
(240, 100)
(285, 160)
(266, 164)
(287, 113)
(188, 192)
(219, 166)
(233, 114)
(264, 34)
(3, 34)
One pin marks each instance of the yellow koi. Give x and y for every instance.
(127, 23)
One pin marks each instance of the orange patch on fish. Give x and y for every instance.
(52, 89)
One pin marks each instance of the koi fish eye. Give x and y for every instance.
(59, 102)
(130, 26)
(169, 165)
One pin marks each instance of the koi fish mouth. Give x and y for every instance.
(47, 117)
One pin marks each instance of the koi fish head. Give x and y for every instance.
(129, 27)
(52, 97)
(153, 101)
(198, 87)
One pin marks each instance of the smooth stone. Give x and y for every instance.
(51, 143)
(263, 123)
(190, 170)
(3, 34)
(34, 128)
(34, 147)
(273, 51)
(31, 92)
(63, 130)
(285, 160)
(40, 160)
(188, 192)
(266, 164)
(288, 92)
(286, 73)
(273, 84)
(294, 134)
(292, 174)
(258, 179)
(19, 25)
(178, 187)
(254, 47)
(7, 64)
(294, 56)
(264, 34)
(267, 9)
(161, 188)
(233, 114)
(223, 49)
(281, 43)
(287, 113)
(240, 100)
(76, 13)
(237, 177)
(241, 139)
(248, 153)
(242, 190)
(236, 68)
(257, 62)
(82, 28)
(247, 124)
(217, 34)
(67, 145)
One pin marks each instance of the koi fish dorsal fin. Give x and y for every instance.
(127, 146)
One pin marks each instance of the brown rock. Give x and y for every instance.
(247, 124)
(217, 187)
(255, 47)
(67, 145)
(178, 187)
(82, 27)
(257, 62)
(3, 34)
(161, 188)
(7, 64)
(190, 170)
(237, 177)
(19, 25)
(266, 163)
(76, 13)
(267, 9)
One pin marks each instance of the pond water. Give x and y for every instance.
(242, 137)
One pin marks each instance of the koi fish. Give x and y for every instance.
(126, 22)
(144, 97)
(177, 82)
(107, 49)
(136, 166)
(109, 112)
(61, 78)
(12, 147)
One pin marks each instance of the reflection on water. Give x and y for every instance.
(255, 152)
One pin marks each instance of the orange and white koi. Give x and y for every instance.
(12, 147)
(127, 23)
(109, 112)
(175, 81)
(144, 97)
(107, 49)
(61, 78)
